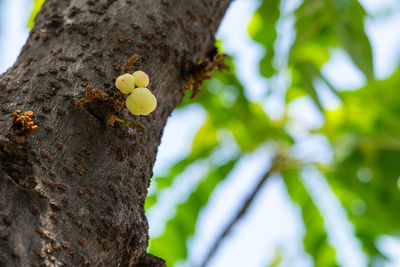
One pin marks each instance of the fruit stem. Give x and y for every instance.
(131, 124)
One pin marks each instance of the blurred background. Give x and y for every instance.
(313, 94)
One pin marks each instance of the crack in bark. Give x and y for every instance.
(15, 160)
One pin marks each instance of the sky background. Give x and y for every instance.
(273, 222)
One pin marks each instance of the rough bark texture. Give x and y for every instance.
(72, 193)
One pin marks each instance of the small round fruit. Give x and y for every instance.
(141, 102)
(125, 83)
(141, 78)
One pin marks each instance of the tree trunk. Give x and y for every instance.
(72, 193)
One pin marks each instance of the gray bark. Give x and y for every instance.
(73, 192)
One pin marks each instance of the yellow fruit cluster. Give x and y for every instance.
(140, 101)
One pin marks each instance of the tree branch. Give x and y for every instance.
(241, 212)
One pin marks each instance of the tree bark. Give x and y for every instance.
(72, 193)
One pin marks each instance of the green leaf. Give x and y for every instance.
(312, 28)
(277, 260)
(37, 5)
(262, 29)
(205, 139)
(315, 240)
(350, 30)
(309, 74)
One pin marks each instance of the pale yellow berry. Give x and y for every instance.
(141, 78)
(141, 102)
(125, 83)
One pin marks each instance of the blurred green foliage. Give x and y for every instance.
(364, 132)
